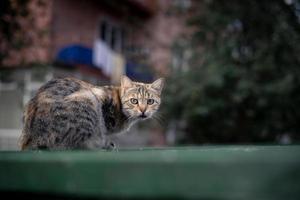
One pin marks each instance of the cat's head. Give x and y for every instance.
(140, 100)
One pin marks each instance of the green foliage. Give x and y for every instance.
(243, 86)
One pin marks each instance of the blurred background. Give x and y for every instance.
(232, 67)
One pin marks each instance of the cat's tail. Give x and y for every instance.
(25, 138)
(23, 141)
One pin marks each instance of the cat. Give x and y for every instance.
(67, 113)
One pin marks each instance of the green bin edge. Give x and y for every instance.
(206, 172)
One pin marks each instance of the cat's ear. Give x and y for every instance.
(125, 82)
(158, 85)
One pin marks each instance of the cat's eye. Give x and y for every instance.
(150, 101)
(134, 101)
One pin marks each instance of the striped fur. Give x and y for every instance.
(68, 113)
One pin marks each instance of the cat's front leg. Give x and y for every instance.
(96, 143)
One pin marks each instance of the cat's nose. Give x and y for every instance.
(142, 109)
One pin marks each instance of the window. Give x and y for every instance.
(112, 35)
(103, 31)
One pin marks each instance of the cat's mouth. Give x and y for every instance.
(143, 116)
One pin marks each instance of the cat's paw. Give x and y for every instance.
(111, 146)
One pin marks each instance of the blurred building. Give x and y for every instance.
(74, 32)
(96, 41)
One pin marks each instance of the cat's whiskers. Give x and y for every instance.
(158, 118)
(129, 119)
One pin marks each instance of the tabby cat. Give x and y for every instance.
(67, 113)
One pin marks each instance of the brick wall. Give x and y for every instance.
(158, 34)
(59, 23)
(31, 43)
(77, 22)
(74, 22)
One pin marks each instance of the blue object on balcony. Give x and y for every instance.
(138, 72)
(75, 54)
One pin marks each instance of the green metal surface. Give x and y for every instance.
(208, 172)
